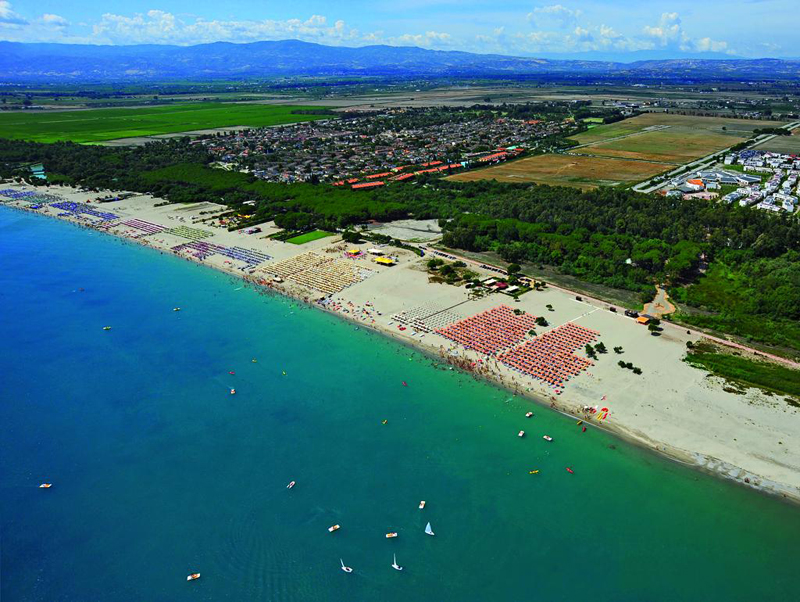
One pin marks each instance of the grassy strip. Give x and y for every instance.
(739, 370)
(308, 237)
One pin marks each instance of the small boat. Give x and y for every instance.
(333, 528)
(547, 438)
(346, 569)
(422, 504)
(521, 434)
(254, 360)
(584, 430)
(529, 414)
(290, 485)
(391, 535)
(233, 391)
(384, 421)
(106, 327)
(231, 372)
(45, 486)
(396, 566)
(405, 384)
(569, 470)
(428, 529)
(580, 422)
(533, 471)
(176, 309)
(193, 576)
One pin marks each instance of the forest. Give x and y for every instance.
(734, 269)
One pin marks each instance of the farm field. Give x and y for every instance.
(308, 237)
(782, 144)
(667, 138)
(566, 170)
(98, 125)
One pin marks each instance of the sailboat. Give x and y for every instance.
(346, 569)
(396, 566)
(428, 529)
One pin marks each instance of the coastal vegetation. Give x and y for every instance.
(729, 267)
(744, 372)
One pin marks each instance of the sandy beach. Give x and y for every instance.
(680, 411)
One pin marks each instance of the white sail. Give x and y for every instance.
(428, 529)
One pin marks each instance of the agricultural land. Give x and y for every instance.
(100, 125)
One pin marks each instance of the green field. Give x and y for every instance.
(98, 125)
(309, 236)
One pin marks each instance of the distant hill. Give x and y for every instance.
(21, 62)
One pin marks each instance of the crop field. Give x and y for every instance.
(98, 125)
(308, 237)
(783, 144)
(667, 138)
(566, 170)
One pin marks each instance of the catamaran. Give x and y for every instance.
(396, 566)
(346, 569)
(428, 529)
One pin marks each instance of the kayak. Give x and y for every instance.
(569, 470)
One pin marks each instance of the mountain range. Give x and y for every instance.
(22, 62)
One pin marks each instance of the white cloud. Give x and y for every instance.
(565, 17)
(8, 16)
(430, 39)
(669, 34)
(55, 21)
(161, 27)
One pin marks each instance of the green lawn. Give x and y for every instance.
(97, 125)
(309, 236)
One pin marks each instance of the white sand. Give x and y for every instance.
(673, 408)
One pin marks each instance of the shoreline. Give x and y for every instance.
(470, 363)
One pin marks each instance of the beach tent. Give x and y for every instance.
(374, 251)
(384, 261)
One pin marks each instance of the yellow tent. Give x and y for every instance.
(384, 261)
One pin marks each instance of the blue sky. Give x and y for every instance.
(752, 28)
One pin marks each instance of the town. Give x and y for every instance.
(760, 179)
(380, 143)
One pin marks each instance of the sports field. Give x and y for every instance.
(308, 237)
(666, 137)
(98, 125)
(566, 170)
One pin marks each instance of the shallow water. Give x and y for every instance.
(158, 471)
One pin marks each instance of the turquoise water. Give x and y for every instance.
(158, 471)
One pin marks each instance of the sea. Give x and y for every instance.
(158, 471)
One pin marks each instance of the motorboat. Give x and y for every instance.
(45, 486)
(346, 569)
(396, 566)
(334, 528)
(176, 309)
(529, 415)
(422, 504)
(391, 535)
(106, 327)
(547, 438)
(521, 434)
(428, 529)
(193, 576)
(290, 485)
(533, 471)
(233, 391)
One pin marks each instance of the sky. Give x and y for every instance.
(747, 28)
